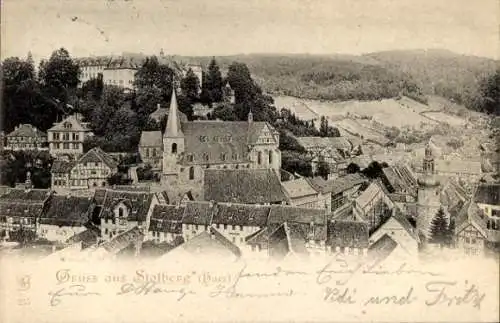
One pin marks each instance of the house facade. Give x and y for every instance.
(302, 193)
(26, 137)
(66, 137)
(90, 171)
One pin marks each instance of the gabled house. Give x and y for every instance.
(166, 223)
(348, 237)
(26, 137)
(119, 211)
(110, 249)
(400, 180)
(303, 192)
(197, 218)
(472, 234)
(66, 137)
(487, 198)
(90, 171)
(343, 190)
(64, 217)
(373, 205)
(20, 209)
(237, 221)
(308, 227)
(399, 229)
(332, 150)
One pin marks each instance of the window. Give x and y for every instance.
(259, 158)
(56, 135)
(147, 152)
(223, 156)
(270, 157)
(191, 173)
(120, 212)
(56, 145)
(190, 158)
(65, 145)
(225, 226)
(76, 145)
(174, 148)
(93, 172)
(235, 156)
(103, 183)
(76, 137)
(65, 136)
(205, 157)
(153, 152)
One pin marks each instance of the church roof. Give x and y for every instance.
(212, 142)
(151, 139)
(173, 127)
(242, 186)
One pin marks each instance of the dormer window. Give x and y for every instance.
(67, 125)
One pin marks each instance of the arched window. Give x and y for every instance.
(259, 158)
(174, 148)
(191, 173)
(120, 212)
(270, 157)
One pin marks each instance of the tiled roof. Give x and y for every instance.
(221, 141)
(352, 234)
(61, 166)
(27, 209)
(458, 167)
(151, 139)
(159, 113)
(324, 142)
(198, 213)
(75, 125)
(400, 178)
(370, 194)
(22, 195)
(404, 222)
(306, 231)
(344, 183)
(382, 248)
(298, 188)
(96, 155)
(318, 183)
(488, 194)
(471, 214)
(240, 214)
(167, 218)
(123, 240)
(27, 130)
(66, 211)
(88, 238)
(138, 201)
(284, 213)
(210, 241)
(242, 186)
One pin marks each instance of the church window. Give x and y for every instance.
(205, 157)
(259, 158)
(223, 156)
(235, 156)
(191, 173)
(270, 157)
(174, 148)
(120, 212)
(190, 158)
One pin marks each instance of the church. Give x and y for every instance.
(190, 147)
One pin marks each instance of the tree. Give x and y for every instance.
(59, 75)
(439, 229)
(190, 86)
(373, 171)
(214, 81)
(153, 75)
(490, 94)
(352, 168)
(323, 169)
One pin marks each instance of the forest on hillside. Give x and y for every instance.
(466, 80)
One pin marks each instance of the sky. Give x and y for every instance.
(226, 27)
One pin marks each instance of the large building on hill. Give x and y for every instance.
(26, 137)
(191, 147)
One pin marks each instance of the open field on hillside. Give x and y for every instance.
(389, 112)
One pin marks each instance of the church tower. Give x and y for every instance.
(429, 200)
(173, 142)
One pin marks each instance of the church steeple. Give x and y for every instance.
(173, 128)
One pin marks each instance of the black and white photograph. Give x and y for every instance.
(250, 161)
